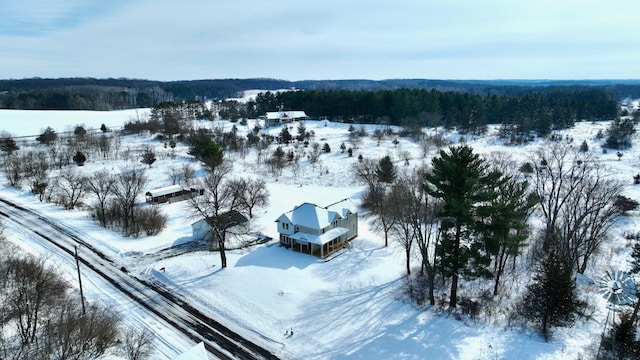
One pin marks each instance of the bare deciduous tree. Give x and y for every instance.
(36, 171)
(314, 153)
(128, 185)
(104, 144)
(367, 171)
(556, 174)
(47, 322)
(13, 169)
(71, 334)
(188, 173)
(426, 224)
(577, 202)
(32, 291)
(138, 344)
(100, 185)
(175, 174)
(71, 188)
(403, 203)
(117, 145)
(415, 222)
(586, 221)
(61, 155)
(375, 199)
(502, 161)
(221, 197)
(255, 194)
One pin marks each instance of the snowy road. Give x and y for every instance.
(144, 303)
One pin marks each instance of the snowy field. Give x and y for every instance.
(349, 307)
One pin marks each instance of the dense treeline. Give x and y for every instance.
(539, 109)
(108, 94)
(113, 94)
(84, 97)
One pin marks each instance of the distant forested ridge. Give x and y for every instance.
(114, 94)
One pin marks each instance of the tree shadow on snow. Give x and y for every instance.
(368, 322)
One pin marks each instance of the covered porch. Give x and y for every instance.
(319, 245)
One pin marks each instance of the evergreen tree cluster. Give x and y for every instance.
(188, 110)
(540, 110)
(619, 134)
(469, 220)
(170, 118)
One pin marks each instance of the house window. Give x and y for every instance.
(297, 229)
(285, 226)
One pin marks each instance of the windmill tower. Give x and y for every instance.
(618, 289)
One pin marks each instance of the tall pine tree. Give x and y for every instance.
(461, 179)
(506, 228)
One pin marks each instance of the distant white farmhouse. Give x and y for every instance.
(233, 221)
(273, 118)
(319, 231)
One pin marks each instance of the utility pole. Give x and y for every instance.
(84, 311)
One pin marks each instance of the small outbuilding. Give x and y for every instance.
(233, 221)
(171, 193)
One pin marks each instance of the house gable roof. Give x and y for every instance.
(285, 218)
(315, 217)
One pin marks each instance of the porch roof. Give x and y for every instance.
(320, 239)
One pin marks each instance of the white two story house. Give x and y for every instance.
(319, 231)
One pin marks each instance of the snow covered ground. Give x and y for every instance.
(348, 307)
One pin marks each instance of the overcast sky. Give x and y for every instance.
(313, 39)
